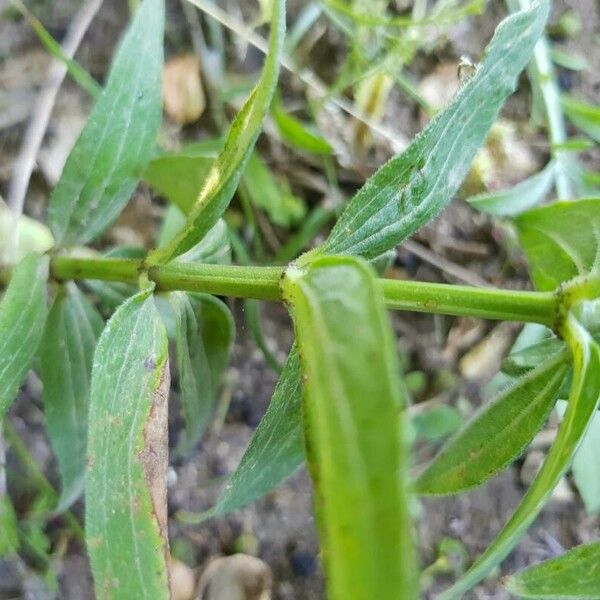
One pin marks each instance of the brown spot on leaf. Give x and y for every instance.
(155, 455)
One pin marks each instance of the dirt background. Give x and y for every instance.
(279, 528)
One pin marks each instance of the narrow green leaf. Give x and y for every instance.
(66, 352)
(415, 186)
(569, 60)
(574, 575)
(520, 362)
(298, 135)
(126, 513)
(214, 248)
(354, 433)
(277, 448)
(436, 423)
(520, 197)
(204, 338)
(225, 173)
(561, 240)
(272, 196)
(9, 528)
(585, 116)
(583, 399)
(179, 176)
(75, 70)
(497, 434)
(22, 316)
(118, 139)
(586, 467)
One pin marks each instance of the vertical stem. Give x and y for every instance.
(542, 75)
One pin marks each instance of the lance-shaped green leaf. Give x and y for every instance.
(298, 134)
(520, 362)
(585, 116)
(574, 575)
(583, 399)
(272, 195)
(214, 248)
(125, 489)
(179, 176)
(277, 448)
(353, 428)
(22, 316)
(224, 176)
(66, 353)
(561, 240)
(518, 198)
(497, 434)
(118, 139)
(415, 186)
(204, 338)
(586, 467)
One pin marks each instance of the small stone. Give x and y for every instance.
(236, 577)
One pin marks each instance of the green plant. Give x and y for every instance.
(340, 400)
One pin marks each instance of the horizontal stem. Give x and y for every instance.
(262, 283)
(468, 301)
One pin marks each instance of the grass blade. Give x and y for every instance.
(67, 350)
(22, 316)
(574, 575)
(204, 338)
(497, 434)
(355, 447)
(415, 186)
(126, 512)
(583, 399)
(118, 139)
(224, 176)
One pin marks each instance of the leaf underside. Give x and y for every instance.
(497, 434)
(66, 353)
(22, 316)
(574, 575)
(353, 428)
(125, 484)
(205, 332)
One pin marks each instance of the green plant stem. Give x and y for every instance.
(262, 283)
(38, 478)
(462, 300)
(542, 75)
